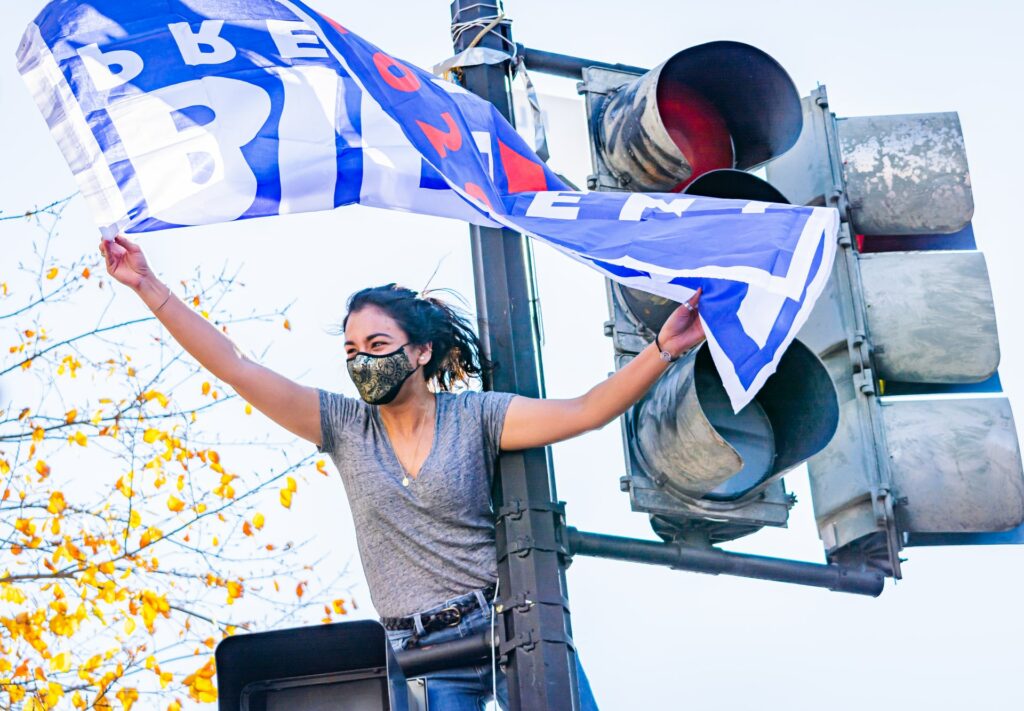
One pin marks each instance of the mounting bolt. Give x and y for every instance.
(624, 483)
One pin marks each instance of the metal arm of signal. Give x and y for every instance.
(717, 562)
(564, 65)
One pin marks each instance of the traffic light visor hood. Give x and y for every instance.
(717, 105)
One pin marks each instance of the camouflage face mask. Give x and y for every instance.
(379, 377)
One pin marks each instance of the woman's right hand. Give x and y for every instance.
(125, 261)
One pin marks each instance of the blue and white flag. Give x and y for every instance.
(189, 112)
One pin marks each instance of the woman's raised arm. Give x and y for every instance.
(295, 407)
(532, 422)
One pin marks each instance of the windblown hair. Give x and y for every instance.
(456, 357)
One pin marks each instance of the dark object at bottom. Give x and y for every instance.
(346, 665)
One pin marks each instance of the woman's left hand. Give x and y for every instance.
(683, 330)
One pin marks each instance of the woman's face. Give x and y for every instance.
(371, 330)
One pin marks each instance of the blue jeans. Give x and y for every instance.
(470, 688)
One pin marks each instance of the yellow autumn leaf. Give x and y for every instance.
(51, 273)
(247, 528)
(175, 504)
(158, 396)
(127, 696)
(151, 435)
(200, 684)
(287, 324)
(206, 388)
(257, 521)
(320, 464)
(286, 498)
(70, 416)
(290, 484)
(300, 589)
(57, 503)
(80, 439)
(151, 534)
(135, 520)
(339, 607)
(42, 468)
(60, 662)
(248, 409)
(129, 625)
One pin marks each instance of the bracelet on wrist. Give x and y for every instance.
(164, 302)
(665, 355)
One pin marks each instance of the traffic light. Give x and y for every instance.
(695, 124)
(346, 665)
(927, 451)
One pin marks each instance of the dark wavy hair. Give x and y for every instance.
(456, 357)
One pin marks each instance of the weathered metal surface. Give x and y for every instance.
(688, 440)
(635, 143)
(956, 465)
(751, 91)
(930, 316)
(842, 475)
(906, 174)
(802, 172)
(675, 439)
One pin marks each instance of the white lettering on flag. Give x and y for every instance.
(635, 205)
(307, 154)
(191, 44)
(100, 64)
(196, 174)
(293, 39)
(554, 204)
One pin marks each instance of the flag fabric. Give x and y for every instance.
(186, 112)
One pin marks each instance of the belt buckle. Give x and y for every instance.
(450, 616)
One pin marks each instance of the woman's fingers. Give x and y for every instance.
(695, 299)
(128, 245)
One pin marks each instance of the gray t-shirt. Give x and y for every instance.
(433, 540)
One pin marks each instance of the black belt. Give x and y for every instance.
(445, 617)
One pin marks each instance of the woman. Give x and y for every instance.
(416, 459)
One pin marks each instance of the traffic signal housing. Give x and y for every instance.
(695, 124)
(927, 450)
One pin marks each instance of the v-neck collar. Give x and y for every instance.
(391, 449)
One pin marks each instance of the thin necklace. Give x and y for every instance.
(416, 454)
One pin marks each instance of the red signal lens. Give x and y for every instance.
(696, 127)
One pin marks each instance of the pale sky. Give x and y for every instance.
(946, 637)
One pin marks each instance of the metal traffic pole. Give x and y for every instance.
(536, 632)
